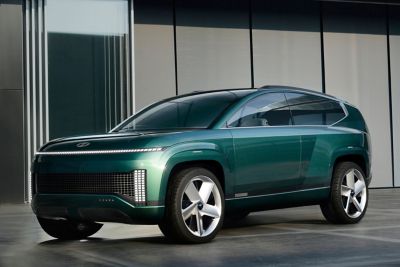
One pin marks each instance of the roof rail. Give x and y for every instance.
(299, 89)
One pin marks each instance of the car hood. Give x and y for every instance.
(113, 141)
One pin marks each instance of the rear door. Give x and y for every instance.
(267, 150)
(312, 115)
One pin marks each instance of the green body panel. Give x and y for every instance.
(263, 167)
(278, 200)
(275, 151)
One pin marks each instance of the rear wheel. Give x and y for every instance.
(349, 195)
(194, 207)
(69, 230)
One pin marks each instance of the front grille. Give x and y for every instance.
(131, 185)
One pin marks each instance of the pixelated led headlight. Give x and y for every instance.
(139, 177)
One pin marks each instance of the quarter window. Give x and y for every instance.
(320, 111)
(266, 110)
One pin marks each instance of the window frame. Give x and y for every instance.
(243, 105)
(284, 92)
(323, 99)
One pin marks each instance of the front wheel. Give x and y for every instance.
(68, 230)
(194, 207)
(349, 195)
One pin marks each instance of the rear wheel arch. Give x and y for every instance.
(358, 159)
(348, 198)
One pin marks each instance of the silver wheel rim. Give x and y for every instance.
(201, 206)
(354, 193)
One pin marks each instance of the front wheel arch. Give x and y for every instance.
(212, 165)
(209, 159)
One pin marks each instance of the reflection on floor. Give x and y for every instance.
(291, 237)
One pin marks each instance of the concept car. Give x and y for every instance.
(189, 162)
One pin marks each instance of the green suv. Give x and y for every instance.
(189, 162)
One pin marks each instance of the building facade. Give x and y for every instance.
(71, 67)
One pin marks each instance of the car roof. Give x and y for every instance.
(242, 92)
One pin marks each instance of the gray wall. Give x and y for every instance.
(11, 45)
(11, 102)
(356, 69)
(213, 44)
(394, 39)
(287, 43)
(154, 51)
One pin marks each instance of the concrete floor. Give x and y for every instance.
(290, 237)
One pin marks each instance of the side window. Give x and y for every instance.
(314, 110)
(269, 109)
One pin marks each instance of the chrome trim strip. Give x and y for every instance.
(121, 79)
(28, 30)
(94, 152)
(40, 69)
(46, 73)
(33, 77)
(132, 58)
(275, 194)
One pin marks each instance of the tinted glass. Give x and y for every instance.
(88, 62)
(298, 98)
(265, 110)
(317, 113)
(195, 111)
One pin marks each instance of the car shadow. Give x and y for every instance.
(94, 240)
(245, 226)
(265, 220)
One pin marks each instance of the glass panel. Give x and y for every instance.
(196, 111)
(317, 113)
(88, 56)
(265, 110)
(297, 98)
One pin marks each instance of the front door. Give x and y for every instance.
(267, 149)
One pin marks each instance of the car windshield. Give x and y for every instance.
(186, 112)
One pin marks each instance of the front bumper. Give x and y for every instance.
(96, 208)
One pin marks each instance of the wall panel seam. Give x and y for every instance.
(390, 88)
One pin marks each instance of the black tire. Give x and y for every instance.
(334, 209)
(68, 230)
(173, 226)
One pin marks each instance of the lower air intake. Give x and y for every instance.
(131, 185)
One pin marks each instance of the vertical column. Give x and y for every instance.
(11, 102)
(394, 45)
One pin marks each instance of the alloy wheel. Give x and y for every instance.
(354, 193)
(201, 206)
